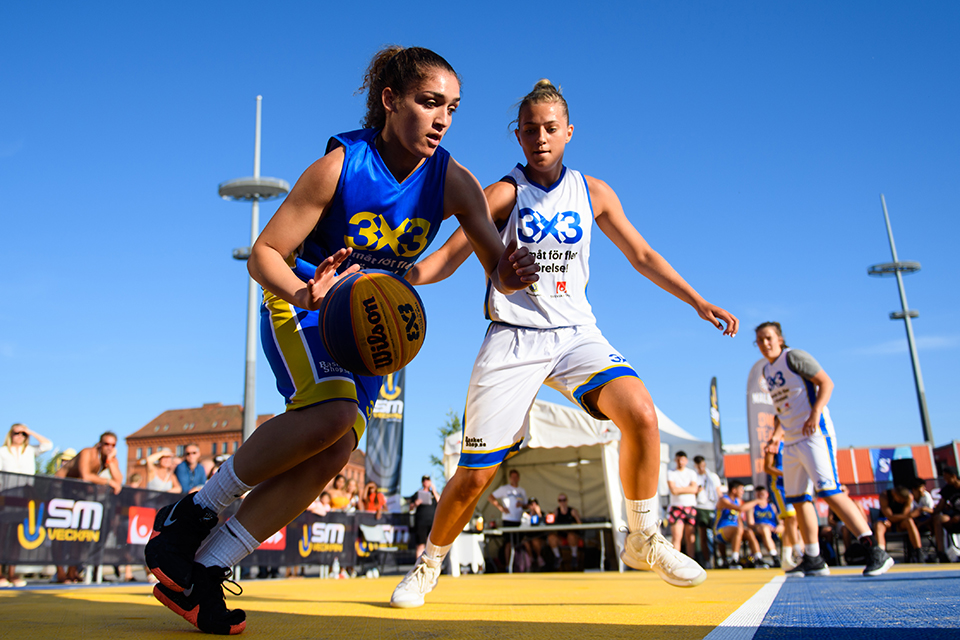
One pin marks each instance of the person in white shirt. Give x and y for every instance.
(706, 508)
(17, 455)
(510, 499)
(682, 513)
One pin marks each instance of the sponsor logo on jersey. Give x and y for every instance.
(564, 226)
(474, 443)
(141, 525)
(561, 286)
(371, 232)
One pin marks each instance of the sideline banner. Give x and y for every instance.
(385, 435)
(47, 520)
(760, 414)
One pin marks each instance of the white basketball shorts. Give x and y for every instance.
(809, 466)
(512, 365)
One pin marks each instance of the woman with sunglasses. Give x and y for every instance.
(17, 455)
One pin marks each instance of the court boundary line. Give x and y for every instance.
(743, 623)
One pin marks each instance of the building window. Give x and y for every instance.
(139, 453)
(214, 448)
(180, 450)
(236, 445)
(226, 447)
(149, 451)
(214, 424)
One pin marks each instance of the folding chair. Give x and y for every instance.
(377, 544)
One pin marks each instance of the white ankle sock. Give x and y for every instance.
(798, 550)
(812, 550)
(435, 554)
(222, 489)
(228, 545)
(736, 556)
(642, 514)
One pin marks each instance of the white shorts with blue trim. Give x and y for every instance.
(513, 363)
(810, 465)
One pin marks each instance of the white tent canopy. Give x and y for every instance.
(569, 452)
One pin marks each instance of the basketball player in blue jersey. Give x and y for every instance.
(800, 390)
(764, 522)
(773, 465)
(375, 199)
(548, 334)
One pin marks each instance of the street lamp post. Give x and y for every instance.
(253, 189)
(897, 268)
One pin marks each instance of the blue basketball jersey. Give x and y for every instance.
(387, 224)
(765, 515)
(728, 517)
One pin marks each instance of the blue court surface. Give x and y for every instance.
(899, 605)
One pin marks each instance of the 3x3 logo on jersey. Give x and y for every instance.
(563, 226)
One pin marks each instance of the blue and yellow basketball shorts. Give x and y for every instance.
(810, 465)
(784, 510)
(513, 363)
(306, 374)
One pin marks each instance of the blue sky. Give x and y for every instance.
(748, 142)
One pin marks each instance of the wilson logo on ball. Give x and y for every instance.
(372, 323)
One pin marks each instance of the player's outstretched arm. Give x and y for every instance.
(441, 264)
(509, 270)
(612, 220)
(289, 227)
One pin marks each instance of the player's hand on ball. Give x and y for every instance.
(517, 268)
(718, 317)
(325, 277)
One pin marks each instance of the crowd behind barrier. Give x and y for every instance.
(46, 520)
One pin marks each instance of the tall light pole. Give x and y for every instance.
(897, 268)
(253, 189)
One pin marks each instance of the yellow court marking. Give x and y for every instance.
(525, 606)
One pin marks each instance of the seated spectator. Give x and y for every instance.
(97, 464)
(160, 473)
(730, 529)
(923, 505)
(896, 507)
(321, 506)
(765, 523)
(339, 498)
(191, 474)
(373, 500)
(946, 516)
(565, 514)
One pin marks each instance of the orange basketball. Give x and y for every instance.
(372, 322)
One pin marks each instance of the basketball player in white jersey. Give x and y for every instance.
(800, 390)
(548, 334)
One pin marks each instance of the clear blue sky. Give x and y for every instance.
(748, 141)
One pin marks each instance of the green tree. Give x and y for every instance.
(450, 427)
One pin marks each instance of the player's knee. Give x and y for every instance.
(472, 482)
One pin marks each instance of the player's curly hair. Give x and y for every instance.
(776, 327)
(543, 91)
(401, 69)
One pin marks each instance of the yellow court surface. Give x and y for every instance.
(529, 606)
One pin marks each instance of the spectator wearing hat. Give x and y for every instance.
(424, 502)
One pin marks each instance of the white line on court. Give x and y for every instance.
(743, 623)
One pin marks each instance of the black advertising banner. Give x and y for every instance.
(46, 520)
(385, 435)
(715, 428)
(760, 414)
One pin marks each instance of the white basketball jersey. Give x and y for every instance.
(554, 223)
(793, 396)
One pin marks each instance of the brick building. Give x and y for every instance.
(216, 429)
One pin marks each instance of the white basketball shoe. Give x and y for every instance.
(649, 551)
(418, 582)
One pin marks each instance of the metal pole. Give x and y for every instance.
(914, 359)
(250, 370)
